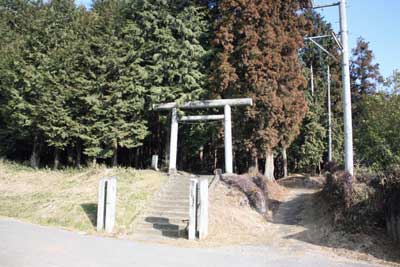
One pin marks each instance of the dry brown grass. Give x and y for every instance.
(233, 221)
(68, 198)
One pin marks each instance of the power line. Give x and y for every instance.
(347, 116)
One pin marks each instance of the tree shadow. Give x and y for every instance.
(91, 212)
(166, 228)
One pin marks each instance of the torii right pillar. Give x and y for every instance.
(228, 139)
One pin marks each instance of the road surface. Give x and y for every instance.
(23, 244)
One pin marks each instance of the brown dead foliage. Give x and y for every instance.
(260, 192)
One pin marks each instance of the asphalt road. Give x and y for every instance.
(23, 244)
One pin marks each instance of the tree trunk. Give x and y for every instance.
(285, 168)
(35, 158)
(254, 167)
(94, 162)
(137, 158)
(269, 166)
(56, 158)
(319, 168)
(70, 157)
(115, 155)
(78, 155)
(201, 157)
(215, 158)
(130, 157)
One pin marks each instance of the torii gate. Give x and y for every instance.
(204, 104)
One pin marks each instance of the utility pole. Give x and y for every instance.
(348, 127)
(312, 80)
(347, 116)
(329, 116)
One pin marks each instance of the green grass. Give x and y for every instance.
(68, 198)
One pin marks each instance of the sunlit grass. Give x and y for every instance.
(68, 198)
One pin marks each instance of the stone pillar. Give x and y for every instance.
(173, 142)
(202, 225)
(228, 139)
(107, 198)
(101, 204)
(192, 209)
(154, 162)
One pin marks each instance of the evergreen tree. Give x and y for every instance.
(310, 146)
(113, 96)
(378, 145)
(171, 52)
(365, 75)
(54, 119)
(392, 83)
(257, 44)
(24, 94)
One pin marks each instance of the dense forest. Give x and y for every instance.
(77, 85)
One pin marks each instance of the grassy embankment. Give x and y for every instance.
(68, 198)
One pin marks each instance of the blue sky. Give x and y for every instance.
(377, 21)
(83, 2)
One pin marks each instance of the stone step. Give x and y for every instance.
(166, 197)
(163, 220)
(161, 226)
(178, 180)
(167, 216)
(178, 183)
(176, 190)
(166, 213)
(166, 205)
(174, 194)
(160, 207)
(161, 198)
(173, 202)
(179, 190)
(187, 181)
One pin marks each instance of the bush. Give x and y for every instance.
(253, 186)
(357, 203)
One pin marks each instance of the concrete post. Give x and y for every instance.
(329, 117)
(173, 142)
(101, 204)
(203, 209)
(192, 209)
(312, 80)
(111, 204)
(348, 127)
(228, 139)
(106, 204)
(154, 162)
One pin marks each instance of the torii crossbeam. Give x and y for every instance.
(226, 103)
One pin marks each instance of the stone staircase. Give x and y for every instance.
(168, 214)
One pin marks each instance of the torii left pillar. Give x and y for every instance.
(173, 146)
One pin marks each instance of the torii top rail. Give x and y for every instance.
(203, 104)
